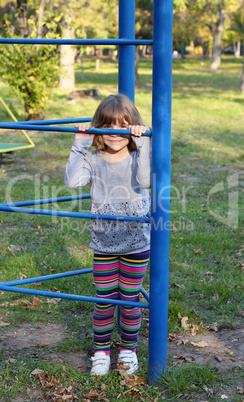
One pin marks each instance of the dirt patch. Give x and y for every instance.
(33, 335)
(223, 349)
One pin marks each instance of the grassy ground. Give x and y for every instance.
(206, 244)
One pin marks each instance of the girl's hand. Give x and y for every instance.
(83, 128)
(137, 131)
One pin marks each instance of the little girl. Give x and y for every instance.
(119, 173)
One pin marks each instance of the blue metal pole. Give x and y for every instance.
(127, 53)
(58, 121)
(69, 214)
(161, 144)
(33, 127)
(72, 297)
(47, 201)
(89, 42)
(47, 277)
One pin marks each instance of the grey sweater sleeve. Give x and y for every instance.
(78, 168)
(143, 174)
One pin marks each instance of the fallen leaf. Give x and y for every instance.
(122, 366)
(15, 303)
(198, 251)
(240, 264)
(208, 273)
(39, 230)
(179, 285)
(194, 329)
(115, 344)
(4, 324)
(171, 337)
(224, 396)
(22, 276)
(13, 249)
(201, 344)
(44, 379)
(10, 360)
(182, 357)
(43, 344)
(184, 323)
(93, 394)
(46, 382)
(184, 341)
(27, 304)
(141, 380)
(213, 326)
(240, 390)
(132, 392)
(36, 302)
(4, 304)
(37, 371)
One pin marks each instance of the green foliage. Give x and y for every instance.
(30, 72)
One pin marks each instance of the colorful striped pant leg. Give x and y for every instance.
(132, 268)
(106, 278)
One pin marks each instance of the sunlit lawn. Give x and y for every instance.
(206, 220)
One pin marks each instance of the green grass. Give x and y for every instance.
(207, 151)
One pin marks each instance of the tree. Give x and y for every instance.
(237, 29)
(67, 52)
(30, 70)
(213, 14)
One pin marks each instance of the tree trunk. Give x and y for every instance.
(22, 23)
(182, 48)
(237, 48)
(192, 48)
(217, 30)
(67, 60)
(40, 21)
(137, 79)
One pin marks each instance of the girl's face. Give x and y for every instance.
(116, 143)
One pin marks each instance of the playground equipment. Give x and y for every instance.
(10, 147)
(161, 140)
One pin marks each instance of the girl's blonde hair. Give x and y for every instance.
(115, 108)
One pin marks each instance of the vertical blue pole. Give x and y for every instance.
(126, 79)
(127, 53)
(161, 145)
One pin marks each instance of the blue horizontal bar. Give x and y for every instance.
(47, 277)
(73, 297)
(108, 42)
(47, 201)
(33, 127)
(72, 214)
(60, 121)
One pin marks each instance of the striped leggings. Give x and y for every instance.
(118, 277)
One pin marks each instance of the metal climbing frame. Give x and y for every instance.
(160, 192)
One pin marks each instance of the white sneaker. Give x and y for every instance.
(100, 363)
(129, 360)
